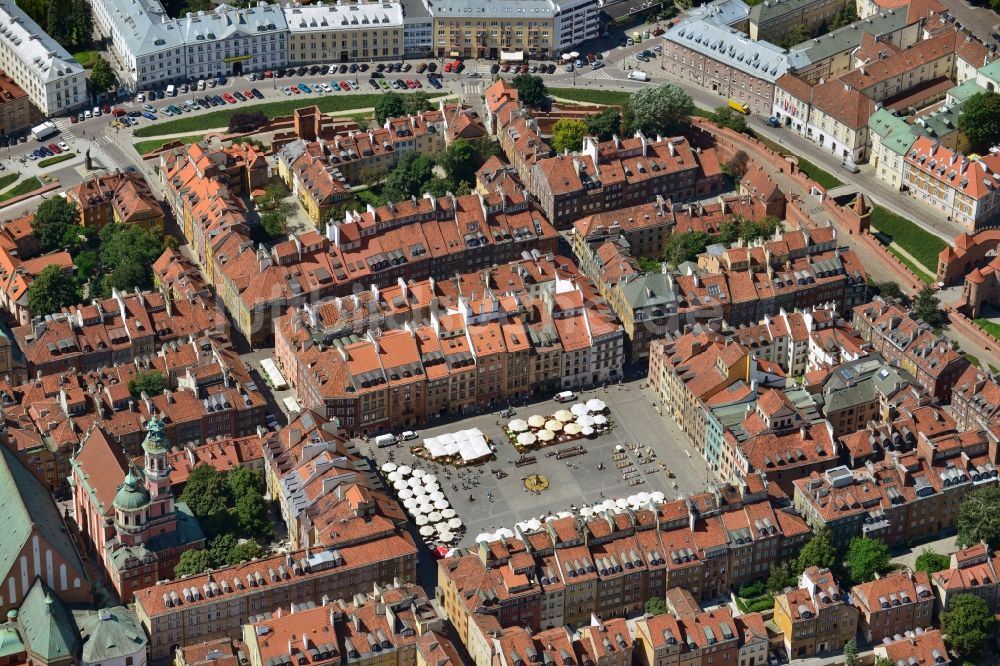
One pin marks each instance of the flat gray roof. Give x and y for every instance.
(846, 38)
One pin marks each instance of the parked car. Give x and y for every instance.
(268, 74)
(238, 95)
(432, 67)
(72, 119)
(421, 68)
(148, 116)
(383, 84)
(494, 68)
(353, 68)
(434, 82)
(474, 75)
(345, 87)
(258, 94)
(314, 70)
(342, 69)
(54, 149)
(286, 91)
(229, 98)
(406, 66)
(304, 88)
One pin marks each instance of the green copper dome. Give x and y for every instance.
(156, 437)
(132, 494)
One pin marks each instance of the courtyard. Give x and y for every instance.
(495, 494)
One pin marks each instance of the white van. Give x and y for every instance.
(171, 90)
(565, 396)
(201, 84)
(385, 440)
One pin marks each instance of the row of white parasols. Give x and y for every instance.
(423, 499)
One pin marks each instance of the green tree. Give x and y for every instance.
(967, 623)
(605, 125)
(414, 103)
(729, 232)
(460, 161)
(685, 246)
(927, 306)
(362, 120)
(83, 25)
(865, 558)
(930, 562)
(883, 661)
(389, 105)
(409, 178)
(980, 119)
(727, 117)
(567, 134)
(244, 481)
(252, 515)
(890, 290)
(851, 653)
(150, 383)
(127, 277)
(531, 89)
(488, 147)
(272, 224)
(87, 263)
(818, 551)
(246, 551)
(192, 562)
(372, 176)
(56, 223)
(656, 606)
(780, 577)
(51, 291)
(122, 245)
(207, 495)
(979, 518)
(796, 35)
(664, 110)
(102, 77)
(220, 548)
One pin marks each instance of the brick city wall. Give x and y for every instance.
(970, 329)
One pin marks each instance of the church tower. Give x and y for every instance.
(157, 469)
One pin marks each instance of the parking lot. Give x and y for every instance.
(573, 481)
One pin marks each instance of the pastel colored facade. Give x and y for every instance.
(975, 400)
(894, 604)
(974, 570)
(816, 617)
(17, 113)
(17, 276)
(925, 647)
(335, 32)
(119, 197)
(774, 21)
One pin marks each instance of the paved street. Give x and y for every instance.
(574, 481)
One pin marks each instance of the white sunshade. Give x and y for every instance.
(394, 477)
(455, 523)
(553, 425)
(504, 533)
(565, 514)
(429, 479)
(405, 493)
(405, 470)
(446, 536)
(621, 502)
(411, 504)
(436, 495)
(400, 485)
(563, 415)
(420, 520)
(414, 482)
(572, 429)
(600, 419)
(596, 405)
(536, 421)
(434, 517)
(426, 531)
(585, 421)
(389, 467)
(418, 473)
(657, 496)
(469, 444)
(485, 536)
(586, 512)
(533, 524)
(448, 513)
(579, 409)
(586, 431)
(517, 425)
(441, 504)
(526, 438)
(545, 435)
(430, 488)
(426, 507)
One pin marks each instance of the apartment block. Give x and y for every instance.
(975, 400)
(17, 113)
(335, 32)
(816, 617)
(855, 391)
(894, 604)
(974, 570)
(775, 20)
(122, 197)
(924, 647)
(318, 185)
(17, 276)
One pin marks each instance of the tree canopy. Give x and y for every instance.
(151, 383)
(192, 562)
(819, 551)
(460, 161)
(567, 134)
(102, 77)
(663, 110)
(227, 503)
(127, 253)
(967, 623)
(851, 653)
(56, 224)
(206, 494)
(656, 605)
(979, 518)
(393, 105)
(727, 117)
(410, 177)
(685, 246)
(531, 89)
(980, 119)
(605, 125)
(51, 291)
(927, 306)
(865, 558)
(930, 562)
(780, 577)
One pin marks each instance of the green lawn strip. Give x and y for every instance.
(143, 147)
(605, 97)
(220, 119)
(989, 326)
(369, 197)
(56, 160)
(822, 177)
(9, 179)
(919, 243)
(23, 187)
(924, 276)
(86, 58)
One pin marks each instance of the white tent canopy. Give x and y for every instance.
(429, 479)
(405, 493)
(441, 504)
(469, 444)
(394, 477)
(418, 473)
(404, 470)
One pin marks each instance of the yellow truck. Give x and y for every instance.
(737, 105)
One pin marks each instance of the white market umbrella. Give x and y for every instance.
(405, 470)
(434, 517)
(441, 504)
(621, 502)
(425, 507)
(643, 497)
(504, 533)
(435, 496)
(448, 513)
(565, 514)
(389, 467)
(545, 435)
(426, 531)
(517, 425)
(567, 56)
(579, 409)
(429, 479)
(574, 54)
(394, 477)
(572, 429)
(411, 504)
(455, 523)
(587, 431)
(536, 421)
(526, 439)
(533, 524)
(586, 512)
(419, 491)
(405, 493)
(414, 482)
(553, 425)
(633, 500)
(485, 536)
(585, 421)
(418, 473)
(657, 497)
(400, 485)
(430, 488)
(420, 520)
(563, 415)
(596, 405)
(446, 536)
(600, 419)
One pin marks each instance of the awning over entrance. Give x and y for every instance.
(512, 56)
(455, 54)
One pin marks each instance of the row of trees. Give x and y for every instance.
(687, 245)
(231, 510)
(393, 105)
(69, 22)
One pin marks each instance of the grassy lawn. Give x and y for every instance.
(922, 245)
(23, 187)
(56, 160)
(220, 119)
(143, 147)
(606, 97)
(86, 58)
(822, 177)
(924, 276)
(990, 327)
(9, 179)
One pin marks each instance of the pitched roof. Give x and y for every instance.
(110, 633)
(47, 626)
